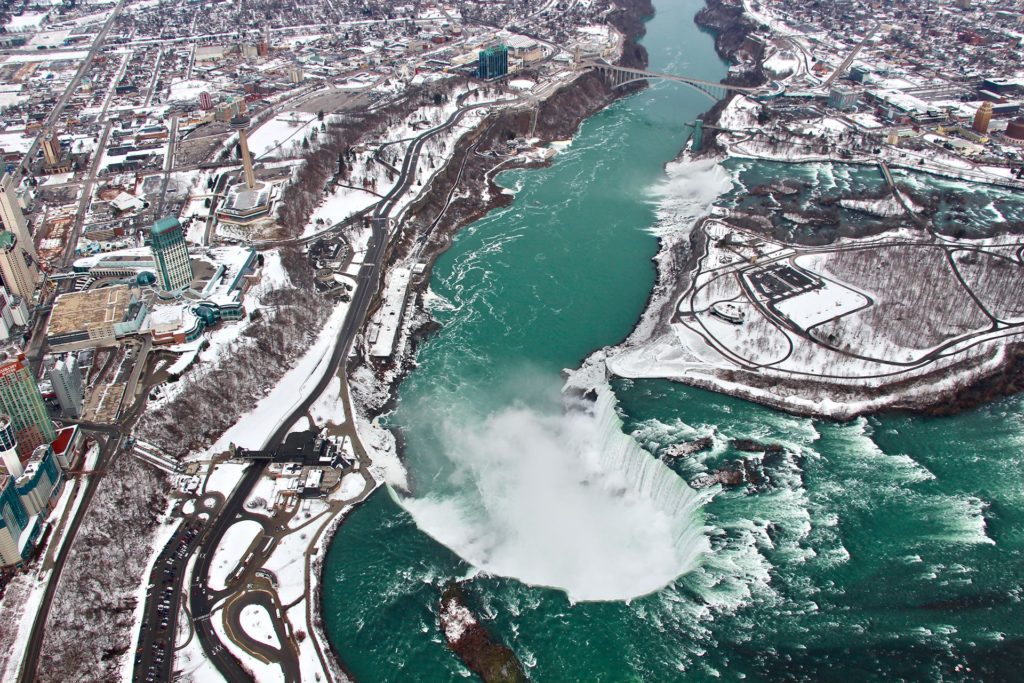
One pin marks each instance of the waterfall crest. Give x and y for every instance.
(567, 501)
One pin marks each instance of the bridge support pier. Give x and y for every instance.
(697, 140)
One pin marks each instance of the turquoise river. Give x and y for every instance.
(885, 548)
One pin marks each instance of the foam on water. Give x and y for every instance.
(689, 189)
(567, 501)
(955, 519)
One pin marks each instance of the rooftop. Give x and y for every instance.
(164, 224)
(77, 311)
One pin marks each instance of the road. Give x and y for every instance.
(155, 655)
(199, 599)
(202, 602)
(211, 221)
(35, 640)
(172, 139)
(849, 59)
(62, 102)
(108, 451)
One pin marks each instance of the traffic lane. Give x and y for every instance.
(199, 597)
(200, 601)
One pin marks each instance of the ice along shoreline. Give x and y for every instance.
(815, 376)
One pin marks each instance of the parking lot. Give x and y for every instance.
(779, 282)
(154, 656)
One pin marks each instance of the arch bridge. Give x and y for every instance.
(619, 76)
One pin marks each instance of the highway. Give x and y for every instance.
(201, 603)
(199, 600)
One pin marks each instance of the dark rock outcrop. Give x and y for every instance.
(474, 645)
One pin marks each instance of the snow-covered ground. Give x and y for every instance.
(282, 135)
(388, 319)
(739, 114)
(257, 624)
(328, 407)
(456, 620)
(288, 562)
(346, 201)
(231, 549)
(352, 485)
(223, 477)
(818, 305)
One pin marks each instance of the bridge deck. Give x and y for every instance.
(641, 73)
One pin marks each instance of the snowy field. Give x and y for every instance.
(328, 407)
(281, 136)
(257, 624)
(231, 550)
(818, 305)
(388, 319)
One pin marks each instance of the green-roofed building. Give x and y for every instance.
(170, 252)
(17, 268)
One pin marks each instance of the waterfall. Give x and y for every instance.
(567, 501)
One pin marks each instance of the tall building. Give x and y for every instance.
(27, 492)
(842, 98)
(51, 149)
(17, 266)
(295, 74)
(66, 378)
(170, 252)
(492, 62)
(1015, 129)
(9, 457)
(21, 401)
(205, 101)
(983, 117)
(12, 218)
(224, 111)
(241, 124)
(7, 310)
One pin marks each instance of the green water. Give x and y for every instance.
(879, 549)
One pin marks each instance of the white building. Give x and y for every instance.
(66, 378)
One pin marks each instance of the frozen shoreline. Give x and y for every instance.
(661, 347)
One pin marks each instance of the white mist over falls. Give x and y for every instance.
(565, 500)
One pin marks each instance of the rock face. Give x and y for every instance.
(732, 28)
(734, 474)
(467, 638)
(689, 448)
(751, 446)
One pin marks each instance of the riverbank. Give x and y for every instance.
(465, 190)
(801, 365)
(462, 191)
(535, 287)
